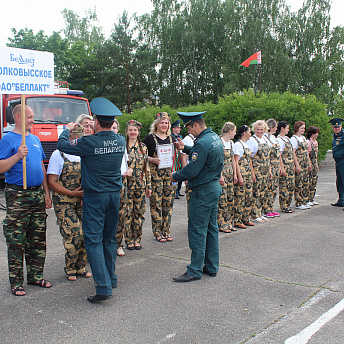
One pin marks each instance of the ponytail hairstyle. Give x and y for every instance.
(243, 129)
(228, 126)
(281, 124)
(272, 123)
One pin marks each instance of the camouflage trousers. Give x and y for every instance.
(161, 201)
(135, 216)
(123, 211)
(271, 190)
(69, 219)
(313, 179)
(225, 212)
(243, 200)
(259, 191)
(286, 187)
(302, 185)
(25, 233)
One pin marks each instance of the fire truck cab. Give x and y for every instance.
(52, 113)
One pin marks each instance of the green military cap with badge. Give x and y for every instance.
(104, 110)
(176, 124)
(336, 122)
(189, 117)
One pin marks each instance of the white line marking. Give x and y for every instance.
(305, 335)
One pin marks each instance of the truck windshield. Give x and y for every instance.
(57, 109)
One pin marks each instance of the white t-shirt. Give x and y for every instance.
(253, 144)
(272, 140)
(227, 145)
(124, 165)
(296, 139)
(188, 141)
(56, 162)
(282, 142)
(238, 148)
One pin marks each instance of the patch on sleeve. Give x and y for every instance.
(194, 156)
(73, 142)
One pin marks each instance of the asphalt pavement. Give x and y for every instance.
(278, 282)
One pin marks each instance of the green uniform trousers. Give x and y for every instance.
(203, 231)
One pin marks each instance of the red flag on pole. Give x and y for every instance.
(254, 59)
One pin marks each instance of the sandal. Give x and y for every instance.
(85, 274)
(250, 223)
(130, 247)
(41, 283)
(137, 246)
(17, 290)
(120, 252)
(168, 238)
(225, 230)
(160, 238)
(71, 277)
(288, 211)
(240, 225)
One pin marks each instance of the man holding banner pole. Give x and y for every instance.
(25, 222)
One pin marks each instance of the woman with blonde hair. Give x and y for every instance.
(244, 169)
(302, 166)
(162, 198)
(87, 122)
(260, 149)
(228, 179)
(271, 190)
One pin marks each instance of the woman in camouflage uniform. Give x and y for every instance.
(163, 191)
(64, 178)
(123, 206)
(275, 156)
(228, 179)
(302, 166)
(243, 188)
(260, 148)
(139, 185)
(312, 135)
(287, 176)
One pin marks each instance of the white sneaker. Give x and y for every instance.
(120, 252)
(310, 203)
(302, 207)
(265, 219)
(307, 206)
(315, 203)
(259, 219)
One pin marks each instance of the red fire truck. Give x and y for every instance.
(52, 113)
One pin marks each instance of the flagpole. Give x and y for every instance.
(260, 81)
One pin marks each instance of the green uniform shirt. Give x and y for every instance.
(101, 157)
(338, 147)
(205, 161)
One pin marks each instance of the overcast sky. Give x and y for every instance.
(46, 15)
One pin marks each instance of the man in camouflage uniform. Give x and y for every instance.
(25, 222)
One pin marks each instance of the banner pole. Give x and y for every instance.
(23, 138)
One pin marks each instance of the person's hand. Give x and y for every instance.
(70, 125)
(148, 192)
(156, 161)
(48, 202)
(22, 151)
(128, 172)
(186, 183)
(270, 174)
(222, 180)
(282, 172)
(297, 169)
(179, 144)
(77, 192)
(241, 181)
(309, 168)
(254, 178)
(235, 179)
(171, 177)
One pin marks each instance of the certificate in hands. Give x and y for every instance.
(165, 154)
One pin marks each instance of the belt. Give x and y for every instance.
(19, 187)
